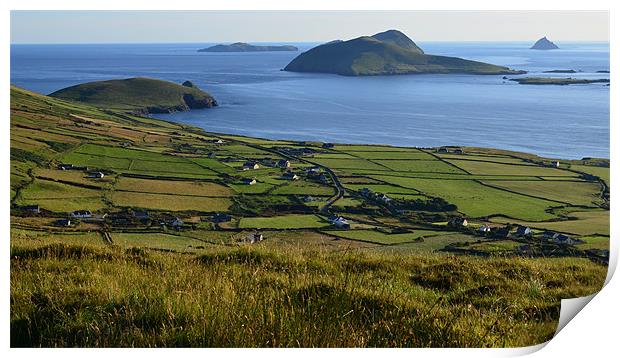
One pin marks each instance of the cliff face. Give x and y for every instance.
(139, 95)
(386, 53)
(544, 44)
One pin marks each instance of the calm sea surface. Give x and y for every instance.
(258, 99)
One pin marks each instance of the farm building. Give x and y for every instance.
(328, 145)
(523, 231)
(458, 151)
(457, 222)
(63, 222)
(313, 170)
(65, 166)
(442, 150)
(566, 240)
(290, 176)
(248, 181)
(35, 209)
(218, 141)
(283, 163)
(96, 175)
(339, 222)
(255, 237)
(81, 214)
(484, 228)
(250, 165)
(556, 164)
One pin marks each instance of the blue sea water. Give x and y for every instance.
(256, 98)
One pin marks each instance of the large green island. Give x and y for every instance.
(387, 53)
(128, 231)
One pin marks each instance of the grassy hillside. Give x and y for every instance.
(86, 296)
(138, 95)
(384, 54)
(400, 276)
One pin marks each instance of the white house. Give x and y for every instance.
(340, 222)
(290, 176)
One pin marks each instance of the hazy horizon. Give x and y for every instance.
(111, 27)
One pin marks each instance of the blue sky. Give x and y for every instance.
(300, 26)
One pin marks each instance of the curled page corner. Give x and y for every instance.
(571, 307)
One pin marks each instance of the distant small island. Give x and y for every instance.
(556, 81)
(245, 47)
(560, 71)
(544, 44)
(386, 53)
(139, 95)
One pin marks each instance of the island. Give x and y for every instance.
(139, 95)
(245, 47)
(560, 71)
(556, 81)
(544, 44)
(386, 53)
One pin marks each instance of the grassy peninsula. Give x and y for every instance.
(386, 53)
(138, 95)
(213, 240)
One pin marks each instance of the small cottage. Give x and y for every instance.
(248, 181)
(96, 175)
(457, 222)
(339, 222)
(523, 231)
(250, 165)
(290, 176)
(35, 209)
(283, 163)
(484, 228)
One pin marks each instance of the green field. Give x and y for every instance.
(583, 193)
(172, 202)
(487, 168)
(60, 197)
(582, 223)
(601, 172)
(283, 222)
(303, 188)
(423, 166)
(172, 187)
(476, 200)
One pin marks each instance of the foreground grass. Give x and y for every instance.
(76, 295)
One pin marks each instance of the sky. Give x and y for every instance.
(302, 26)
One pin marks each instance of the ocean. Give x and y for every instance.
(257, 99)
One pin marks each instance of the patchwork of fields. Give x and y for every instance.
(170, 169)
